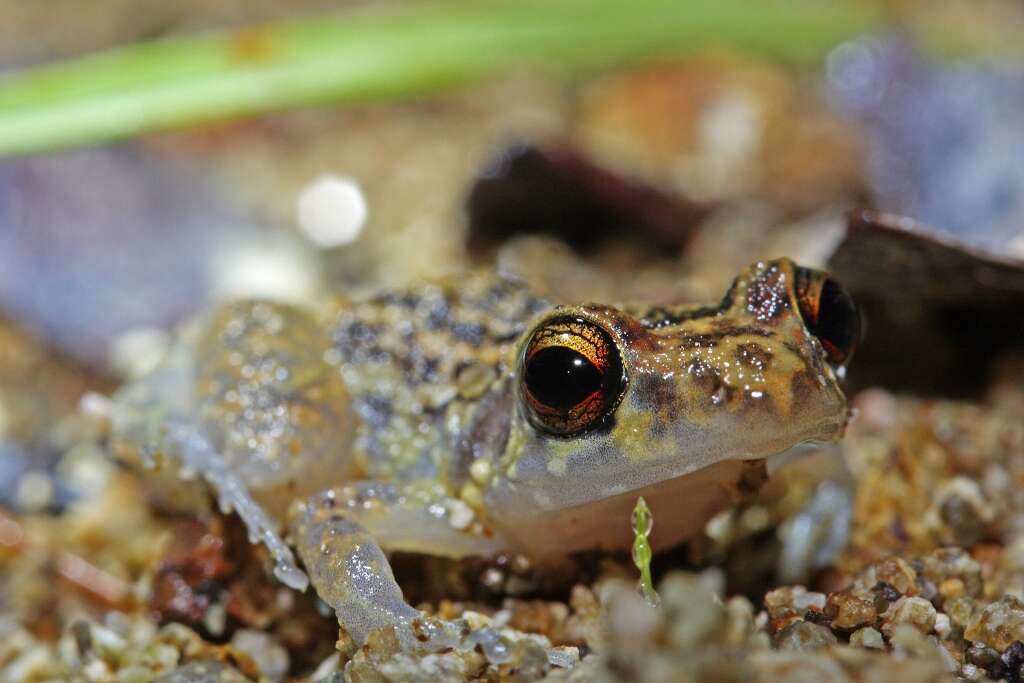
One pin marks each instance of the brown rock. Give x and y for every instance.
(999, 624)
(851, 610)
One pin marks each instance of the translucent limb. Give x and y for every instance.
(197, 455)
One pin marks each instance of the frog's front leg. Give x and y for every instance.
(339, 534)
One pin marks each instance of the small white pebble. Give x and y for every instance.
(868, 638)
(476, 620)
(972, 672)
(269, 656)
(565, 656)
(86, 468)
(35, 664)
(215, 619)
(460, 515)
(97, 670)
(332, 211)
(163, 655)
(480, 471)
(719, 527)
(942, 626)
(35, 491)
(138, 351)
(805, 599)
(107, 642)
(914, 611)
(96, 406)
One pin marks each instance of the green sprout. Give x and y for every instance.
(643, 521)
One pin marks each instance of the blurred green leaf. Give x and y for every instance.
(387, 52)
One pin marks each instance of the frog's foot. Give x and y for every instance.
(198, 456)
(351, 573)
(339, 534)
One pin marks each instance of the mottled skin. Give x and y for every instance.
(411, 406)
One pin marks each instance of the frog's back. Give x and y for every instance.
(415, 361)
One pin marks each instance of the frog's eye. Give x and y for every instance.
(571, 377)
(829, 314)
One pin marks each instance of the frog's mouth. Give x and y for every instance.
(682, 505)
(604, 466)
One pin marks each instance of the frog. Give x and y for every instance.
(475, 416)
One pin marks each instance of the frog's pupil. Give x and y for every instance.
(560, 378)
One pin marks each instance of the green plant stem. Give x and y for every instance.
(388, 52)
(643, 521)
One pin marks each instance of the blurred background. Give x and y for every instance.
(657, 163)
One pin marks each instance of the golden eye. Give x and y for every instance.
(829, 314)
(571, 377)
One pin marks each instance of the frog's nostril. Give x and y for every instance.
(829, 313)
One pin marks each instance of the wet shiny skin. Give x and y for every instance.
(403, 422)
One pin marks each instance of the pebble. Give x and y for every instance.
(270, 656)
(35, 491)
(138, 351)
(460, 515)
(915, 611)
(867, 638)
(999, 624)
(803, 636)
(851, 610)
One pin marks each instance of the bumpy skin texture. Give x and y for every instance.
(412, 406)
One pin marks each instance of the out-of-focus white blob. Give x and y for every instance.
(138, 351)
(269, 267)
(35, 491)
(332, 211)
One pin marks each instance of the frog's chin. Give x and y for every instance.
(682, 504)
(681, 507)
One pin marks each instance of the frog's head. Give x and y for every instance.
(612, 400)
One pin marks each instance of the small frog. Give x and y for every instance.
(476, 417)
